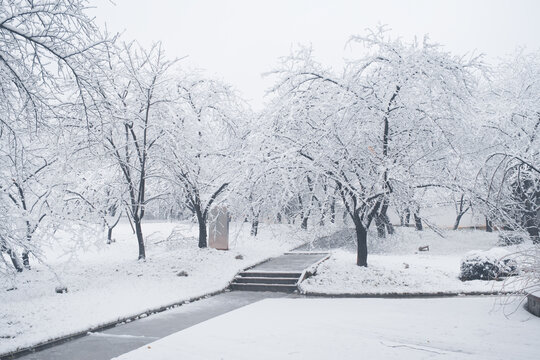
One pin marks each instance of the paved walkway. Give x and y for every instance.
(113, 342)
(290, 262)
(123, 338)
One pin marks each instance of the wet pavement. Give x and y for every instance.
(123, 338)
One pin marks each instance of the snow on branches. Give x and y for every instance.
(383, 127)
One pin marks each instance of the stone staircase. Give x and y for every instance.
(266, 281)
(282, 273)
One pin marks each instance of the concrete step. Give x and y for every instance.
(269, 274)
(265, 280)
(264, 287)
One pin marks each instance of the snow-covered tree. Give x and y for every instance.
(129, 121)
(43, 43)
(203, 143)
(510, 173)
(28, 182)
(509, 176)
(97, 194)
(267, 190)
(44, 47)
(383, 127)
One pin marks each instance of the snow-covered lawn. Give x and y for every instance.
(396, 266)
(106, 283)
(452, 328)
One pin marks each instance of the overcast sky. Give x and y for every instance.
(239, 40)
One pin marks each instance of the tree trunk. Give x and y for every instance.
(460, 212)
(304, 223)
(333, 211)
(202, 234)
(361, 241)
(379, 224)
(109, 235)
(532, 227)
(382, 221)
(130, 222)
(388, 224)
(26, 253)
(278, 216)
(323, 216)
(418, 222)
(254, 227)
(489, 225)
(140, 239)
(26, 259)
(15, 260)
(458, 219)
(407, 216)
(202, 229)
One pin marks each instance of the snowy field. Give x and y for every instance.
(106, 282)
(396, 266)
(452, 328)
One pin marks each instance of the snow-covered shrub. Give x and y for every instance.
(507, 238)
(493, 264)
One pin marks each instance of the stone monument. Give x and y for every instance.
(218, 228)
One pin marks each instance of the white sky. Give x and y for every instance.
(238, 40)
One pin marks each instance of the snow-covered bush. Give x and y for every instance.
(507, 238)
(493, 264)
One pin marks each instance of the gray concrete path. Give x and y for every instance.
(123, 338)
(290, 262)
(115, 341)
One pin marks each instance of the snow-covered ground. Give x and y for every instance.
(452, 328)
(396, 266)
(106, 283)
